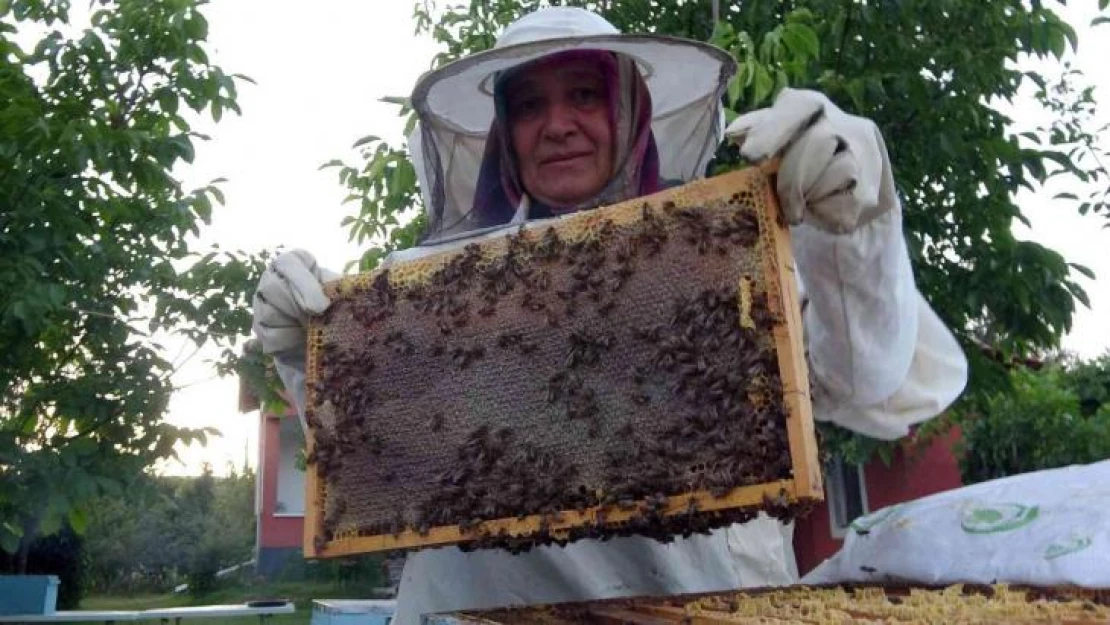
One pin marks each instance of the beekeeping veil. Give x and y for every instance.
(455, 108)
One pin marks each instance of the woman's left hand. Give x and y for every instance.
(835, 172)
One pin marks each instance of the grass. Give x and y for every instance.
(300, 593)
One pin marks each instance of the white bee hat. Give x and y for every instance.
(455, 108)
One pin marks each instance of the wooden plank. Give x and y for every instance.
(313, 513)
(314, 495)
(620, 616)
(790, 347)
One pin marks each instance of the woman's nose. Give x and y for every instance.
(560, 122)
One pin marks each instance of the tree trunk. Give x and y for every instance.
(22, 554)
(30, 532)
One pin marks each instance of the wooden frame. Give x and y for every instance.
(782, 296)
(850, 603)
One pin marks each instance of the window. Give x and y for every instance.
(846, 495)
(290, 479)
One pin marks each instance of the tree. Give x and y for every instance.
(164, 530)
(96, 254)
(931, 74)
(1055, 417)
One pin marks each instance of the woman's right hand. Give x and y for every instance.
(290, 290)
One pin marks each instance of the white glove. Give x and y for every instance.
(835, 172)
(289, 291)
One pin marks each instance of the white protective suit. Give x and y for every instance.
(882, 360)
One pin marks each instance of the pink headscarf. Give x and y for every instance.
(636, 171)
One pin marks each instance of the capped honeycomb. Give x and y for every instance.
(953, 605)
(634, 369)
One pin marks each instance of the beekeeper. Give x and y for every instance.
(567, 114)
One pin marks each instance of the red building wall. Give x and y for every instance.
(275, 531)
(913, 473)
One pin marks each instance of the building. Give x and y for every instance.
(915, 471)
(279, 488)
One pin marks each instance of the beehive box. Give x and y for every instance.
(634, 369)
(953, 605)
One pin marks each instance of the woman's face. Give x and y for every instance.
(561, 135)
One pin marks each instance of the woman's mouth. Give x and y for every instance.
(560, 159)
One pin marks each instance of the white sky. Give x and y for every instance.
(320, 71)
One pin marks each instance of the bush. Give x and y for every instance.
(1052, 418)
(165, 531)
(206, 563)
(61, 554)
(362, 571)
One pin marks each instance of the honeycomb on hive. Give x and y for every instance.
(953, 605)
(635, 369)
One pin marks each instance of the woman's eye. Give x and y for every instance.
(586, 96)
(525, 108)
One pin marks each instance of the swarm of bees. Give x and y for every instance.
(616, 365)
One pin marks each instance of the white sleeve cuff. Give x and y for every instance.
(937, 376)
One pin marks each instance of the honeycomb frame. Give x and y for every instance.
(779, 292)
(955, 604)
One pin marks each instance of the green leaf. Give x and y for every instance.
(734, 89)
(184, 148)
(763, 85)
(167, 100)
(1086, 271)
(1065, 196)
(723, 35)
(1098, 21)
(1069, 33)
(52, 524)
(202, 207)
(1055, 37)
(1080, 295)
(78, 520)
(886, 454)
(404, 178)
(196, 27)
(801, 39)
(9, 539)
(197, 54)
(377, 166)
(30, 424)
(365, 140)
(801, 15)
(946, 146)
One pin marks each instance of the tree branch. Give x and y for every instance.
(844, 35)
